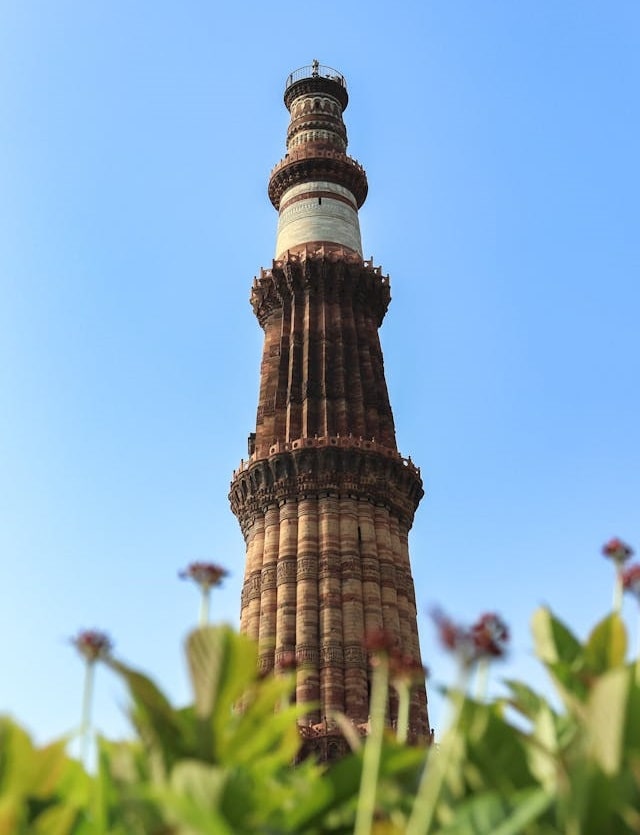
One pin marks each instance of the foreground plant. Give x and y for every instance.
(619, 553)
(92, 645)
(206, 575)
(569, 765)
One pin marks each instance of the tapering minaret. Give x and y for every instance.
(325, 500)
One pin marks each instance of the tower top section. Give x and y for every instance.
(316, 78)
(317, 188)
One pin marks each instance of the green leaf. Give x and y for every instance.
(11, 815)
(194, 799)
(553, 640)
(59, 820)
(161, 727)
(491, 813)
(49, 765)
(16, 759)
(632, 729)
(274, 738)
(223, 664)
(606, 719)
(524, 699)
(564, 657)
(607, 645)
(543, 748)
(243, 719)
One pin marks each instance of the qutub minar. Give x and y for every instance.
(325, 500)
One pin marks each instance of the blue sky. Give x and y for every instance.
(501, 145)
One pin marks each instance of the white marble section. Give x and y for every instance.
(322, 218)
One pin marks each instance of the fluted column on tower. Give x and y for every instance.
(325, 501)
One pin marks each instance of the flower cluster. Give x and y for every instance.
(631, 580)
(486, 638)
(490, 635)
(92, 644)
(617, 550)
(205, 574)
(403, 668)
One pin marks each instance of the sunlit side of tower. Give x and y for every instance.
(325, 501)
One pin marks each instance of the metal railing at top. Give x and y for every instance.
(316, 70)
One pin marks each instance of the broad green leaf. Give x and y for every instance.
(607, 645)
(572, 683)
(494, 752)
(606, 719)
(75, 785)
(160, 726)
(48, 767)
(16, 759)
(223, 664)
(266, 723)
(524, 699)
(543, 748)
(11, 815)
(492, 814)
(320, 797)
(275, 738)
(59, 820)
(553, 640)
(595, 802)
(632, 729)
(194, 799)
(245, 718)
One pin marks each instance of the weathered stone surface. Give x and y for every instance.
(325, 501)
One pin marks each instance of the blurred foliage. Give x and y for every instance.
(523, 763)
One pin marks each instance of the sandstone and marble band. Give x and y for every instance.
(318, 211)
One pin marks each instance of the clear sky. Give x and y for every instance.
(501, 144)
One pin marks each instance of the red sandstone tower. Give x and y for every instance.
(325, 500)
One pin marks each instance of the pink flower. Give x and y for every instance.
(402, 668)
(617, 550)
(92, 644)
(205, 574)
(487, 638)
(452, 636)
(490, 635)
(380, 642)
(631, 581)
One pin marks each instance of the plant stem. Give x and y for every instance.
(617, 590)
(434, 776)
(85, 722)
(204, 606)
(638, 651)
(372, 749)
(404, 699)
(482, 679)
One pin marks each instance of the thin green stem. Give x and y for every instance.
(434, 775)
(617, 590)
(204, 606)
(482, 679)
(404, 701)
(85, 722)
(638, 653)
(373, 749)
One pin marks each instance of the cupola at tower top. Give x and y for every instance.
(317, 188)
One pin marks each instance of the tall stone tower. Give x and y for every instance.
(325, 500)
